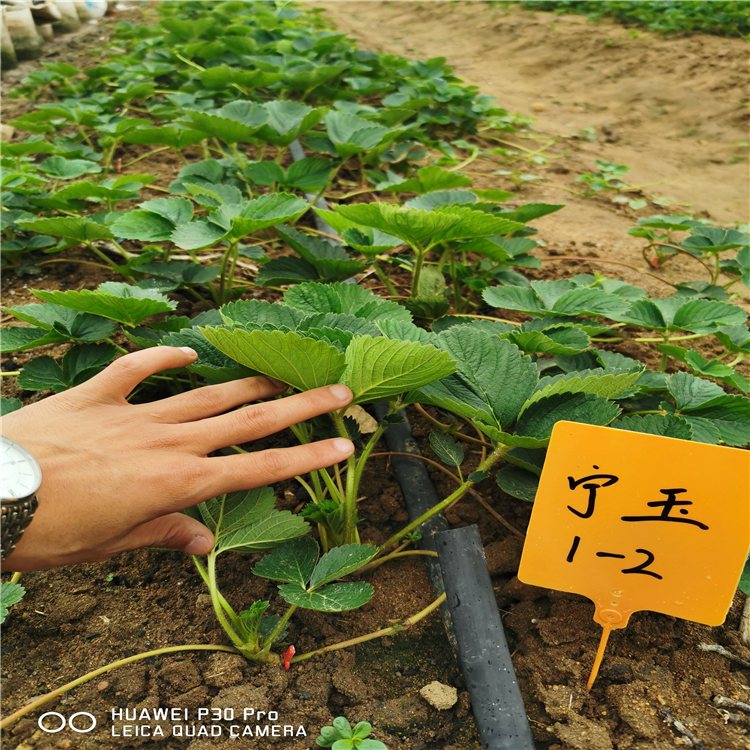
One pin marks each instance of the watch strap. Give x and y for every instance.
(16, 516)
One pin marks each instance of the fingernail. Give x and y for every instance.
(344, 446)
(190, 352)
(341, 392)
(197, 546)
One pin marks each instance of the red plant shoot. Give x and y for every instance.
(287, 656)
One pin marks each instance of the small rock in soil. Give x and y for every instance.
(180, 676)
(504, 556)
(24, 728)
(439, 696)
(102, 686)
(203, 601)
(618, 671)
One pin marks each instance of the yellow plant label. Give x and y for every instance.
(634, 522)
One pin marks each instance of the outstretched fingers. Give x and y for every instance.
(260, 420)
(211, 400)
(248, 470)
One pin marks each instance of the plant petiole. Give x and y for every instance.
(496, 454)
(397, 628)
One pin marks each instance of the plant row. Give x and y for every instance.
(232, 89)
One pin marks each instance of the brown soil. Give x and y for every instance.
(672, 109)
(85, 616)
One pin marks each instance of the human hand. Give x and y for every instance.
(115, 475)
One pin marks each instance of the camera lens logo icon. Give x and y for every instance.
(79, 726)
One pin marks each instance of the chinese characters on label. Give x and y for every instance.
(635, 521)
(591, 483)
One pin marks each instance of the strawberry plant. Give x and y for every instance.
(705, 244)
(341, 736)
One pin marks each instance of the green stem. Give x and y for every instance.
(241, 163)
(188, 62)
(110, 155)
(736, 360)
(732, 282)
(16, 577)
(145, 156)
(14, 717)
(224, 603)
(320, 192)
(218, 609)
(485, 465)
(392, 409)
(377, 563)
(119, 348)
(232, 267)
(457, 299)
(86, 138)
(331, 486)
(125, 254)
(397, 628)
(664, 358)
(277, 630)
(350, 496)
(421, 254)
(111, 264)
(13, 374)
(684, 252)
(717, 269)
(223, 274)
(382, 276)
(663, 340)
(197, 297)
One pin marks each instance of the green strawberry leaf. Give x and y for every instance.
(518, 483)
(73, 228)
(379, 368)
(304, 363)
(336, 597)
(538, 419)
(293, 562)
(126, 304)
(447, 449)
(248, 522)
(340, 562)
(10, 594)
(656, 424)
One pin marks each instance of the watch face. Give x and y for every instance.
(20, 473)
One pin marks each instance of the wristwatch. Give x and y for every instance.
(20, 478)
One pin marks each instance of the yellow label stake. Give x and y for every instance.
(636, 522)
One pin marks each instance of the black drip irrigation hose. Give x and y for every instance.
(420, 495)
(470, 614)
(482, 648)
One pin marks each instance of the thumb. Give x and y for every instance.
(174, 531)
